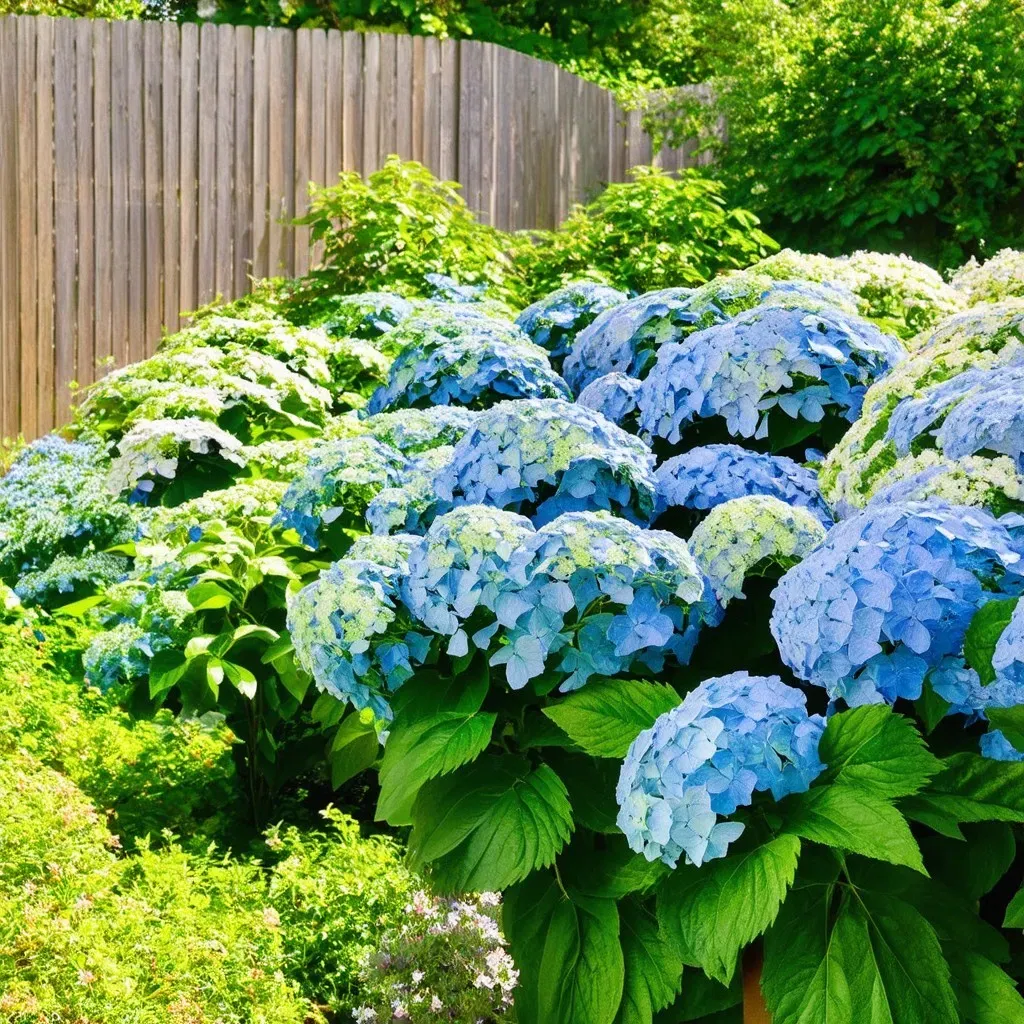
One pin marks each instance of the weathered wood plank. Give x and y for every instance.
(224, 246)
(188, 170)
(403, 97)
(65, 215)
(321, 84)
(371, 102)
(170, 99)
(10, 351)
(261, 152)
(387, 100)
(85, 350)
(102, 297)
(303, 143)
(206, 222)
(282, 150)
(152, 120)
(352, 104)
(43, 171)
(242, 183)
(136, 195)
(26, 185)
(451, 128)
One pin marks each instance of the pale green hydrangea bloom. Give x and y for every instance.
(998, 278)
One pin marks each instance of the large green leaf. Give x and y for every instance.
(526, 915)
(974, 864)
(605, 716)
(877, 750)
(983, 633)
(1014, 917)
(987, 994)
(855, 819)
(608, 867)
(354, 747)
(972, 788)
(490, 825)
(875, 961)
(713, 911)
(165, 671)
(653, 968)
(582, 970)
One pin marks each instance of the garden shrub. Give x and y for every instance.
(656, 231)
(999, 277)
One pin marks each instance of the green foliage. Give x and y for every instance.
(398, 225)
(885, 126)
(656, 231)
(982, 635)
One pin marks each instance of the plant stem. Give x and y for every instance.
(754, 1009)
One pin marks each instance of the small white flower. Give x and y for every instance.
(483, 981)
(436, 1005)
(417, 977)
(364, 1015)
(490, 899)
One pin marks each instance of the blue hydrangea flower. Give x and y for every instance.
(752, 535)
(350, 632)
(543, 457)
(121, 654)
(707, 476)
(341, 478)
(446, 289)
(411, 507)
(625, 338)
(67, 573)
(411, 431)
(53, 500)
(889, 595)
(367, 315)
(805, 364)
(554, 321)
(473, 361)
(995, 746)
(731, 737)
(615, 396)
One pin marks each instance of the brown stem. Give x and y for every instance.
(754, 1009)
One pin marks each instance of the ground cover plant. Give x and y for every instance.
(698, 659)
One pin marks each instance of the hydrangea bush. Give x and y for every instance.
(1000, 277)
(718, 665)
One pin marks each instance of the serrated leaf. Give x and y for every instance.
(877, 750)
(489, 825)
(605, 716)
(975, 788)
(582, 969)
(852, 819)
(702, 999)
(983, 633)
(526, 915)
(986, 993)
(353, 749)
(878, 962)
(653, 971)
(713, 911)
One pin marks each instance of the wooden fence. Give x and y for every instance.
(147, 167)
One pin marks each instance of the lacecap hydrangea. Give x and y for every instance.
(341, 478)
(472, 361)
(411, 431)
(999, 278)
(756, 534)
(543, 457)
(554, 321)
(58, 582)
(806, 365)
(888, 597)
(710, 475)
(731, 737)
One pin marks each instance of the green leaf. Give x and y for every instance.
(582, 969)
(489, 825)
(713, 911)
(983, 633)
(353, 749)
(436, 730)
(280, 648)
(76, 609)
(852, 819)
(590, 783)
(1010, 722)
(1014, 917)
(243, 679)
(877, 750)
(208, 595)
(653, 969)
(878, 961)
(525, 917)
(605, 716)
(931, 708)
(165, 670)
(986, 993)
(703, 1000)
(919, 809)
(214, 675)
(613, 870)
(975, 864)
(250, 630)
(975, 788)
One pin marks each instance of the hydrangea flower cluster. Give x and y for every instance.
(446, 962)
(705, 477)
(151, 451)
(888, 597)
(120, 654)
(554, 321)
(68, 573)
(616, 396)
(411, 431)
(731, 737)
(350, 632)
(995, 746)
(54, 500)
(413, 506)
(866, 460)
(625, 338)
(473, 361)
(543, 457)
(1000, 277)
(341, 477)
(755, 534)
(806, 364)
(368, 315)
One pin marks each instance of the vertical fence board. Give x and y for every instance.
(170, 113)
(303, 142)
(188, 170)
(318, 172)
(333, 107)
(65, 231)
(417, 87)
(431, 151)
(152, 119)
(26, 45)
(387, 105)
(224, 264)
(403, 97)
(449, 114)
(44, 222)
(282, 149)
(10, 350)
(85, 349)
(136, 194)
(243, 170)
(206, 182)
(371, 100)
(261, 152)
(102, 295)
(352, 102)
